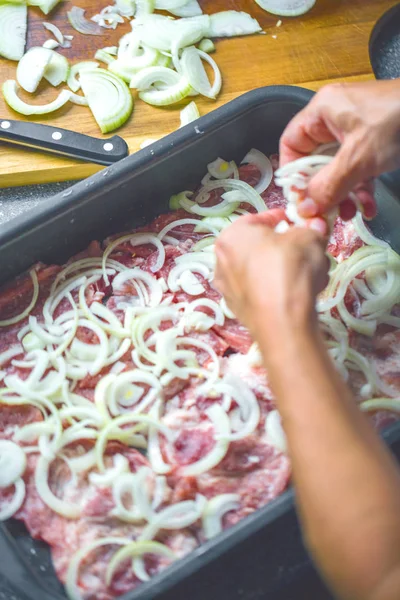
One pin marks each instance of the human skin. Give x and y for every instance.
(365, 119)
(347, 483)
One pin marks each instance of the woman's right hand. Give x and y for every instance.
(365, 119)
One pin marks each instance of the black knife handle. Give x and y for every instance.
(104, 151)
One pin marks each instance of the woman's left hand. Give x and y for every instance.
(269, 278)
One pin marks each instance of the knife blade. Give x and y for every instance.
(63, 142)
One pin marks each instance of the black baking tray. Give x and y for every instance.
(262, 557)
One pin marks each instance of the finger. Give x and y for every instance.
(270, 218)
(347, 209)
(365, 196)
(319, 225)
(305, 132)
(335, 181)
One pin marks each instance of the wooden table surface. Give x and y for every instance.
(330, 43)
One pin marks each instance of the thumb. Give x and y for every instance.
(333, 183)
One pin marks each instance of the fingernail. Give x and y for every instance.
(307, 208)
(318, 225)
(369, 210)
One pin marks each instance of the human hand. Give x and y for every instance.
(270, 280)
(365, 119)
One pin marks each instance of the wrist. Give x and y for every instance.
(279, 321)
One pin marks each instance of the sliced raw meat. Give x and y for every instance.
(235, 335)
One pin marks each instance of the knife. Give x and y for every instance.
(64, 142)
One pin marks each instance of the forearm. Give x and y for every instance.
(348, 487)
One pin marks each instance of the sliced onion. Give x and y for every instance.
(160, 490)
(76, 17)
(189, 114)
(230, 23)
(13, 19)
(216, 508)
(72, 577)
(263, 164)
(45, 6)
(79, 100)
(195, 73)
(220, 420)
(168, 4)
(179, 277)
(10, 93)
(179, 223)
(117, 423)
(104, 57)
(207, 45)
(12, 351)
(149, 238)
(50, 44)
(190, 9)
(160, 32)
(153, 449)
(121, 465)
(136, 549)
(249, 194)
(274, 430)
(72, 80)
(390, 404)
(55, 31)
(32, 66)
(138, 275)
(108, 96)
(143, 9)
(177, 87)
(126, 66)
(64, 508)
(364, 233)
(32, 303)
(57, 69)
(12, 463)
(221, 169)
(9, 509)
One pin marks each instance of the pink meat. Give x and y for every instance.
(235, 335)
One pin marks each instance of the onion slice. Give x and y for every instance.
(133, 550)
(9, 509)
(57, 70)
(216, 508)
(12, 463)
(108, 96)
(274, 430)
(10, 93)
(72, 577)
(263, 164)
(31, 68)
(32, 303)
(189, 114)
(76, 16)
(230, 23)
(13, 26)
(72, 80)
(194, 71)
(64, 508)
(220, 420)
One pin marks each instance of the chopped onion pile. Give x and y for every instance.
(158, 58)
(145, 342)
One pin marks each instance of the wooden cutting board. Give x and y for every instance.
(330, 43)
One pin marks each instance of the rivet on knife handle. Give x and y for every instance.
(104, 151)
